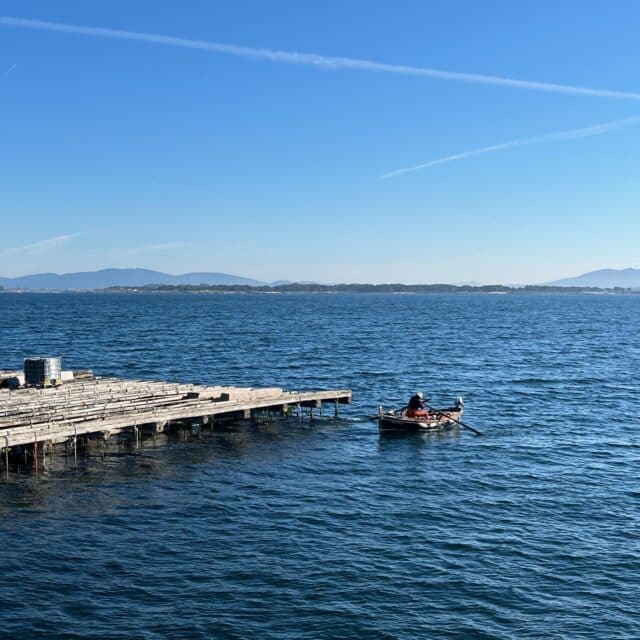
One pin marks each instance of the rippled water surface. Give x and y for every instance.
(325, 529)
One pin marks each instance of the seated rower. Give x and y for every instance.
(415, 408)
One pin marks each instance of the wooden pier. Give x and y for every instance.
(35, 419)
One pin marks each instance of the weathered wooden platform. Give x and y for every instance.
(105, 407)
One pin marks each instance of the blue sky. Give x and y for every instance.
(124, 152)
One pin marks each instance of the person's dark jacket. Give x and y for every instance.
(416, 402)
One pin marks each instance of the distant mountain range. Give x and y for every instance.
(603, 278)
(90, 280)
(118, 278)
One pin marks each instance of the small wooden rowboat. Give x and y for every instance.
(435, 421)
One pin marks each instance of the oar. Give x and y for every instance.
(462, 424)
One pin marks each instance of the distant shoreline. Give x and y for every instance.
(398, 289)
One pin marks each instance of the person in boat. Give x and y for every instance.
(415, 408)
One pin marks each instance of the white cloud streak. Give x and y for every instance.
(559, 136)
(166, 246)
(310, 59)
(42, 246)
(10, 69)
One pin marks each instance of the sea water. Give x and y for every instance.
(327, 529)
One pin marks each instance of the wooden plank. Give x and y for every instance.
(110, 405)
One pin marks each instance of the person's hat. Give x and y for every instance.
(420, 395)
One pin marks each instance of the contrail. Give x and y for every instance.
(310, 59)
(10, 69)
(42, 246)
(165, 246)
(571, 134)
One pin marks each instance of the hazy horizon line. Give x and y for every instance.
(306, 281)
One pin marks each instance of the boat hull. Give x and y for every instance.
(399, 422)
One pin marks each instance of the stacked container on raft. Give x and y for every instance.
(42, 372)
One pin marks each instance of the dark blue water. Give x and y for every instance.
(327, 530)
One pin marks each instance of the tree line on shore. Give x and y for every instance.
(364, 288)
